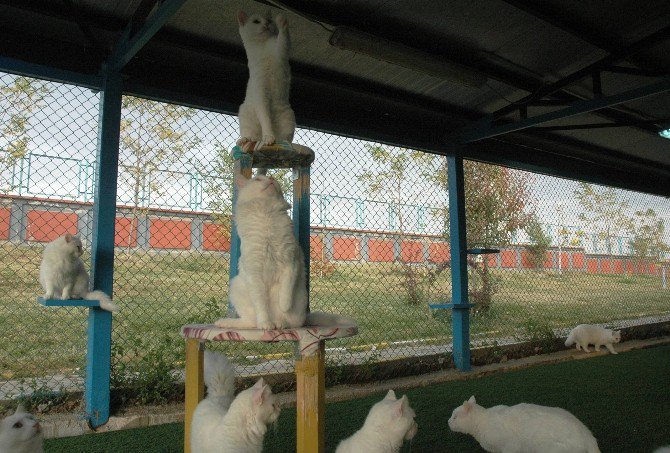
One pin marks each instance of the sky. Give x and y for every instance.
(63, 146)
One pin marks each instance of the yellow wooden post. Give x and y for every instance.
(311, 400)
(194, 385)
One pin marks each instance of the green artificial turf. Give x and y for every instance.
(624, 399)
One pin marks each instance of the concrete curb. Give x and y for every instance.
(55, 426)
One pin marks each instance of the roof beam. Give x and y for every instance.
(650, 41)
(556, 19)
(485, 129)
(24, 68)
(131, 43)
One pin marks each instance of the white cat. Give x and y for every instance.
(585, 334)
(523, 428)
(20, 433)
(387, 425)
(270, 291)
(265, 115)
(63, 274)
(223, 424)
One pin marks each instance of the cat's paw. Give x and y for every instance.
(281, 21)
(267, 140)
(242, 141)
(222, 322)
(48, 296)
(267, 325)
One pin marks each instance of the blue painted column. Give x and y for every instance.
(243, 162)
(98, 363)
(459, 270)
(301, 213)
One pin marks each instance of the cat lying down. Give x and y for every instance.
(523, 428)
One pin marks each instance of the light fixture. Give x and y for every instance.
(665, 133)
(401, 55)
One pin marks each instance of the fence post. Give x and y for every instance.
(459, 270)
(663, 278)
(98, 363)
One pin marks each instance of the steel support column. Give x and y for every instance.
(459, 271)
(98, 364)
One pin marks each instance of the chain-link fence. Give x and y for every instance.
(569, 253)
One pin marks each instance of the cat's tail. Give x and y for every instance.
(320, 318)
(570, 340)
(105, 302)
(219, 375)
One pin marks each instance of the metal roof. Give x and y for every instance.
(581, 89)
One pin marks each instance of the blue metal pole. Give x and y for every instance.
(459, 270)
(98, 363)
(301, 212)
(242, 165)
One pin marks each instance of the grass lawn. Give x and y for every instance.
(158, 293)
(624, 399)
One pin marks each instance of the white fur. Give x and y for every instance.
(265, 115)
(585, 334)
(20, 433)
(63, 274)
(388, 424)
(223, 424)
(270, 291)
(523, 428)
(662, 450)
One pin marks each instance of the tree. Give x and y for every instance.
(219, 183)
(603, 213)
(648, 236)
(391, 176)
(497, 202)
(18, 102)
(540, 242)
(153, 140)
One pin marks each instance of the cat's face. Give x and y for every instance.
(616, 336)
(256, 28)
(461, 419)
(264, 402)
(19, 429)
(259, 186)
(72, 245)
(395, 416)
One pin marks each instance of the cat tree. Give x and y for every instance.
(309, 341)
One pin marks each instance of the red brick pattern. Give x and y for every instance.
(125, 232)
(170, 234)
(346, 249)
(592, 265)
(578, 260)
(438, 252)
(316, 250)
(618, 266)
(45, 226)
(215, 237)
(549, 260)
(411, 251)
(380, 250)
(508, 258)
(4, 223)
(605, 267)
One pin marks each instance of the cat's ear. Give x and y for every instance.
(401, 406)
(240, 179)
(20, 409)
(242, 17)
(68, 237)
(260, 390)
(471, 401)
(390, 395)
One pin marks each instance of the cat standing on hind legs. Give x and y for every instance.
(266, 116)
(63, 274)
